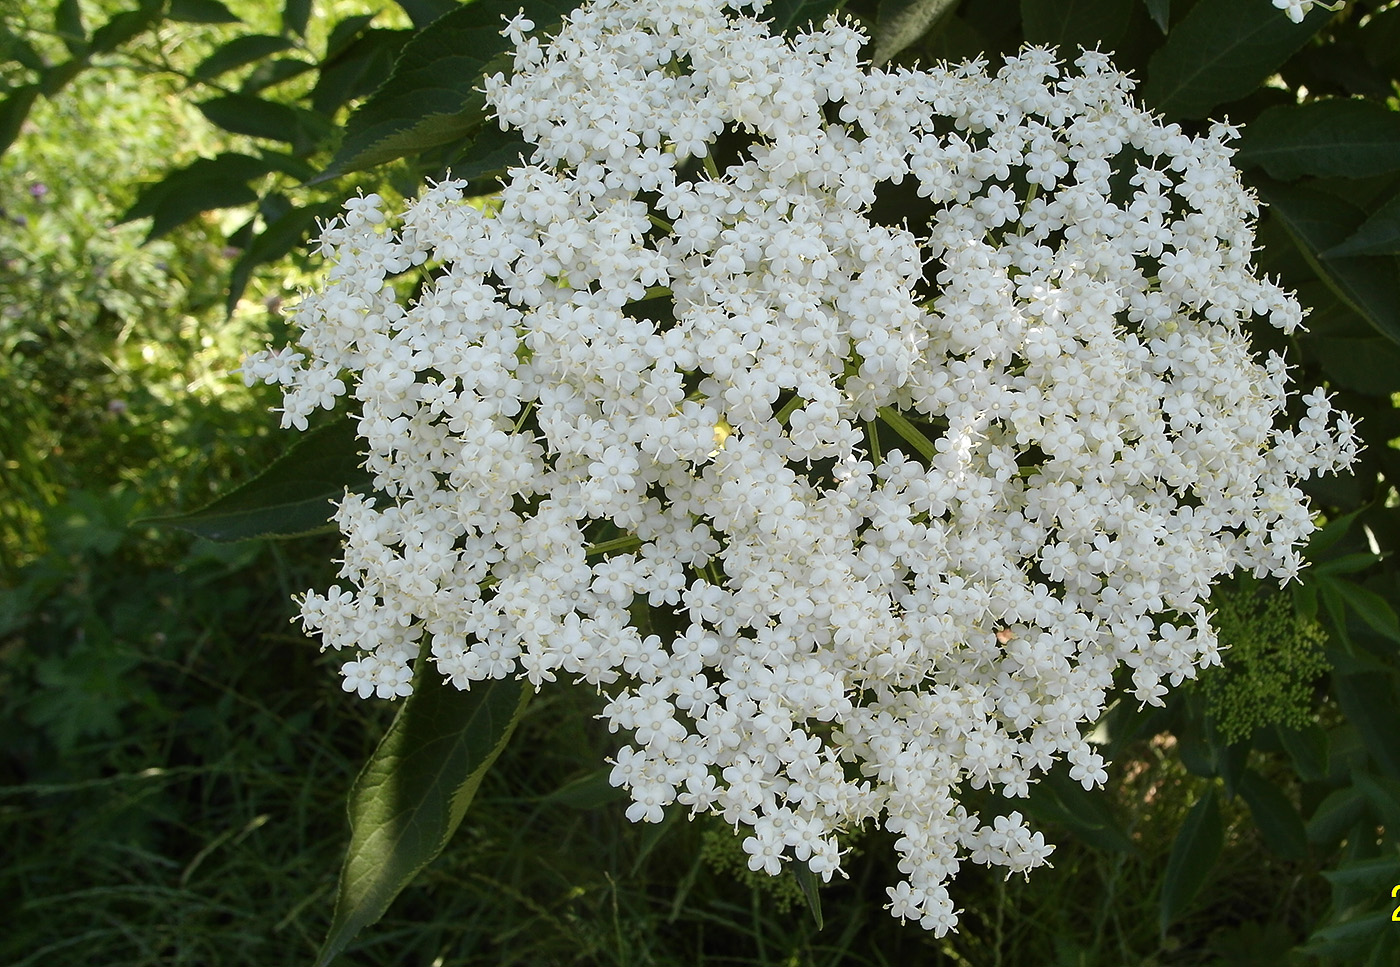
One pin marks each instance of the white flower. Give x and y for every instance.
(913, 493)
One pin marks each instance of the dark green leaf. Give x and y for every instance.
(344, 32)
(1368, 701)
(588, 791)
(358, 69)
(1275, 816)
(240, 51)
(415, 789)
(270, 73)
(291, 497)
(1307, 747)
(1336, 814)
(1071, 24)
(1193, 855)
(16, 48)
(124, 26)
(1379, 234)
(791, 16)
(1384, 796)
(68, 24)
(206, 184)
(1058, 799)
(296, 14)
(260, 118)
(1349, 938)
(201, 12)
(1361, 365)
(1342, 137)
(490, 153)
(13, 110)
(1372, 877)
(1160, 12)
(1371, 608)
(811, 889)
(424, 12)
(1220, 51)
(1317, 221)
(432, 97)
(901, 22)
(282, 234)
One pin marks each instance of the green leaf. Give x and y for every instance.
(1364, 366)
(791, 16)
(357, 69)
(432, 98)
(270, 73)
(1371, 608)
(490, 153)
(202, 12)
(1317, 221)
(284, 233)
(1307, 747)
(206, 184)
(291, 497)
(1221, 51)
(1368, 702)
(1275, 816)
(1379, 234)
(901, 22)
(1336, 137)
(238, 52)
(260, 118)
(126, 25)
(1160, 12)
(16, 48)
(424, 12)
(811, 889)
(68, 24)
(1336, 814)
(1193, 855)
(1058, 799)
(1071, 24)
(296, 14)
(588, 791)
(415, 789)
(345, 31)
(1349, 938)
(13, 110)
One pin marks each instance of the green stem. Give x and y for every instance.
(874, 438)
(908, 432)
(626, 543)
(711, 168)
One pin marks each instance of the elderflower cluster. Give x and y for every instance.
(852, 471)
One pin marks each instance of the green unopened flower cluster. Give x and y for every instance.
(1274, 656)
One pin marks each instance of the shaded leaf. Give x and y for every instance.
(432, 99)
(901, 22)
(1057, 798)
(1193, 854)
(1317, 221)
(13, 111)
(282, 234)
(296, 14)
(1371, 608)
(424, 12)
(1221, 51)
(68, 24)
(1343, 137)
(1071, 24)
(1368, 701)
(1362, 365)
(124, 26)
(1160, 12)
(1307, 747)
(206, 184)
(811, 889)
(201, 12)
(588, 791)
(1349, 938)
(16, 48)
(261, 118)
(291, 497)
(344, 32)
(358, 69)
(270, 73)
(238, 52)
(1275, 816)
(412, 794)
(1379, 234)
(793, 16)
(1335, 815)
(490, 154)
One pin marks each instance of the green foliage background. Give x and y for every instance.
(175, 759)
